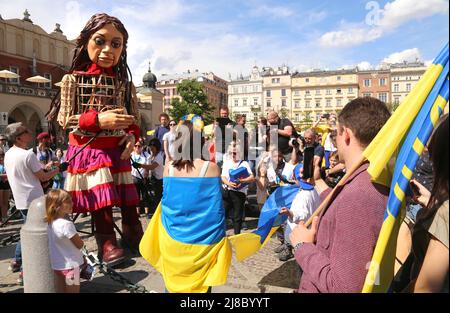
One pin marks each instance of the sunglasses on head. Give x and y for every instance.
(23, 132)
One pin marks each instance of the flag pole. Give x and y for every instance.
(344, 179)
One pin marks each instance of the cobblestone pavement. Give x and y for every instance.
(261, 273)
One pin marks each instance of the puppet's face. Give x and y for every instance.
(105, 46)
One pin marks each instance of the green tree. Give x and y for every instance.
(284, 113)
(193, 101)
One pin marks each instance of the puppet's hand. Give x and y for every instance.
(113, 119)
(129, 141)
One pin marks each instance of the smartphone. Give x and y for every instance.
(308, 162)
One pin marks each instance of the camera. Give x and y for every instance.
(294, 142)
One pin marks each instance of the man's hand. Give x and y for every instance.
(129, 141)
(113, 119)
(301, 234)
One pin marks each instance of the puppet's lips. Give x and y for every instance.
(108, 60)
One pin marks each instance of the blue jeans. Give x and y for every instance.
(18, 253)
(412, 210)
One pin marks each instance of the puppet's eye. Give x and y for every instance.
(116, 44)
(99, 41)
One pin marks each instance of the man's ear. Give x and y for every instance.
(348, 135)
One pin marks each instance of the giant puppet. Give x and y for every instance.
(98, 104)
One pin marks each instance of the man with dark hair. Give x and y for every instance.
(223, 133)
(285, 129)
(335, 253)
(162, 129)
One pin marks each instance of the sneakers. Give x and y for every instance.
(20, 279)
(280, 248)
(285, 255)
(14, 266)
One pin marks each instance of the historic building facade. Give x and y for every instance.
(318, 92)
(28, 50)
(215, 87)
(277, 90)
(245, 95)
(404, 76)
(375, 83)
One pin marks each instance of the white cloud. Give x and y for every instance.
(364, 66)
(272, 11)
(409, 55)
(379, 22)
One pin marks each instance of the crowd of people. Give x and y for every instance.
(269, 156)
(109, 164)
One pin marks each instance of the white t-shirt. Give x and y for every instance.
(143, 158)
(170, 138)
(303, 206)
(328, 145)
(230, 165)
(288, 172)
(63, 253)
(158, 172)
(20, 167)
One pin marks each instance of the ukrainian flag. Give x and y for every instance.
(409, 128)
(185, 240)
(247, 244)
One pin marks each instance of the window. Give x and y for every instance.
(328, 103)
(297, 117)
(382, 96)
(317, 91)
(339, 78)
(283, 102)
(275, 80)
(297, 104)
(236, 102)
(297, 93)
(350, 89)
(338, 90)
(235, 90)
(396, 100)
(396, 87)
(48, 76)
(306, 80)
(367, 94)
(317, 103)
(244, 102)
(307, 104)
(408, 87)
(268, 103)
(174, 91)
(307, 93)
(244, 89)
(382, 81)
(328, 92)
(255, 88)
(339, 102)
(14, 69)
(283, 92)
(367, 82)
(268, 94)
(255, 101)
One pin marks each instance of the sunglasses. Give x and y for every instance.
(137, 145)
(172, 124)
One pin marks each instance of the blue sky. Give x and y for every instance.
(230, 36)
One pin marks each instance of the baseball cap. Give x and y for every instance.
(304, 185)
(42, 136)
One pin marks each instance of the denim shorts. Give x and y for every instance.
(412, 210)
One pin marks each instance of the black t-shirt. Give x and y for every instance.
(226, 133)
(319, 151)
(283, 142)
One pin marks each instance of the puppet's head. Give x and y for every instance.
(102, 41)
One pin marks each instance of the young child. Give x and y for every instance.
(334, 173)
(64, 241)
